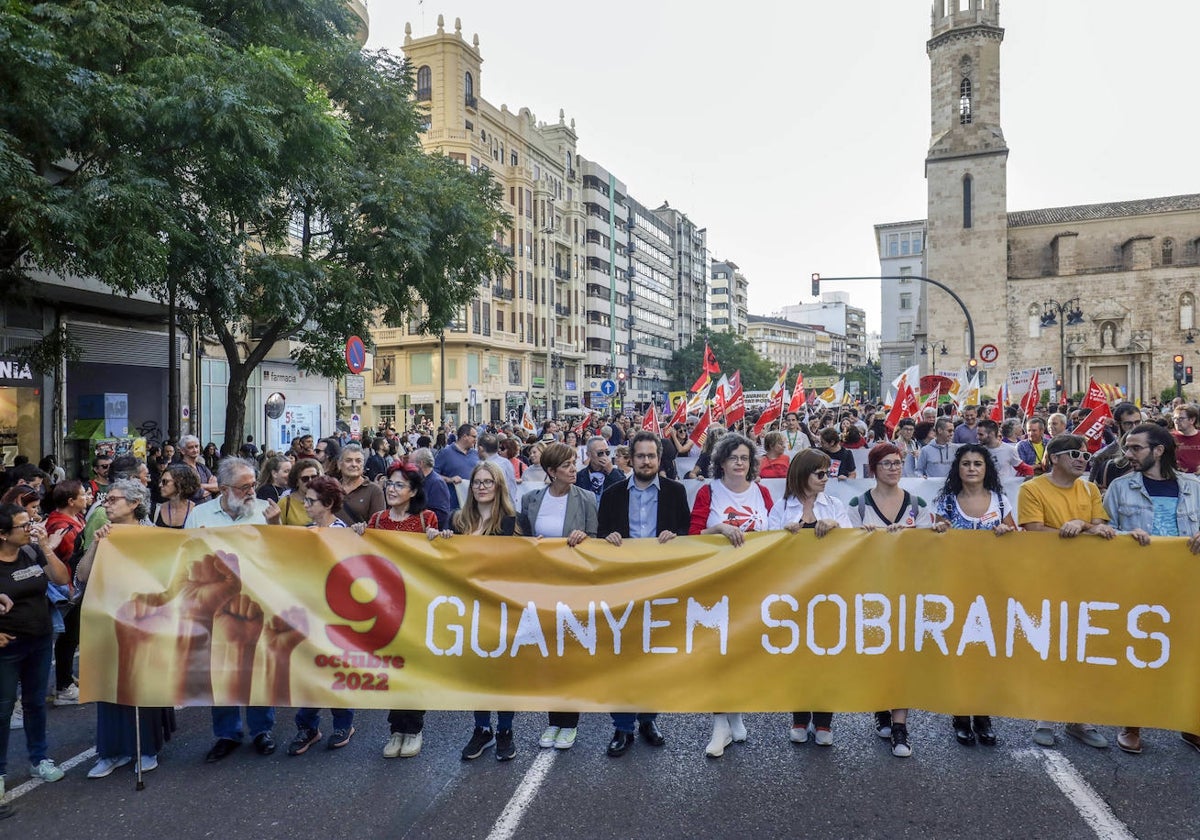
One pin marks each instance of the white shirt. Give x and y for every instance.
(552, 516)
(746, 510)
(1006, 459)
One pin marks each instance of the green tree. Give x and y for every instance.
(732, 352)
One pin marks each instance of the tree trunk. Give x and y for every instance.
(235, 406)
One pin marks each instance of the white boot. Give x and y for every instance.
(737, 728)
(722, 737)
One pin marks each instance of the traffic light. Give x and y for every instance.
(1178, 359)
(972, 365)
(816, 289)
(1058, 385)
(1187, 375)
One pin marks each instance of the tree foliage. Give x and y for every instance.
(247, 155)
(732, 352)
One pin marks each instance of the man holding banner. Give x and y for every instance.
(649, 506)
(1153, 501)
(1062, 501)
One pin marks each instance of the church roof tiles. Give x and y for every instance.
(1108, 210)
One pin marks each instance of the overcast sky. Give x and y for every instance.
(790, 129)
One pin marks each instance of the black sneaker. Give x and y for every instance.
(340, 738)
(505, 748)
(883, 724)
(900, 747)
(481, 739)
(304, 739)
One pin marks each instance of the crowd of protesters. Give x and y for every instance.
(605, 478)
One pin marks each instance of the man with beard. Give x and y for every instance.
(236, 504)
(649, 506)
(1155, 500)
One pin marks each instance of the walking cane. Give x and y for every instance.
(137, 739)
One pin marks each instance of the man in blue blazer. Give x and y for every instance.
(648, 506)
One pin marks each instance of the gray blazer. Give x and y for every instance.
(581, 510)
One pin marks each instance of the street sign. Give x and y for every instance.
(356, 354)
(989, 353)
(608, 387)
(356, 387)
(355, 424)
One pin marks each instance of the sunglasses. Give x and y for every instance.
(305, 478)
(821, 474)
(1076, 453)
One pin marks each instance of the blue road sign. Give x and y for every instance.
(608, 387)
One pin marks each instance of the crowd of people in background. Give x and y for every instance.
(602, 478)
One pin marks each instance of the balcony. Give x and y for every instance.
(471, 102)
(561, 309)
(562, 274)
(506, 250)
(502, 293)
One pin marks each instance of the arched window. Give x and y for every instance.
(964, 102)
(966, 192)
(1035, 320)
(1168, 252)
(1187, 311)
(469, 89)
(424, 83)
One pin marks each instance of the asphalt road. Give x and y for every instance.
(765, 788)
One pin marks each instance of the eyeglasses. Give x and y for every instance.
(891, 465)
(739, 459)
(306, 478)
(1076, 453)
(105, 466)
(165, 481)
(395, 485)
(821, 474)
(483, 483)
(108, 499)
(309, 500)
(243, 488)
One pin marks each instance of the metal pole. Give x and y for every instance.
(1062, 355)
(442, 346)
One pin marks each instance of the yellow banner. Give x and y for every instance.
(1026, 625)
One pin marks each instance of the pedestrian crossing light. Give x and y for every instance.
(1178, 359)
(1187, 375)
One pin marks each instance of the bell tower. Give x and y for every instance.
(965, 171)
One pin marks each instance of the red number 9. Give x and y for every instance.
(386, 609)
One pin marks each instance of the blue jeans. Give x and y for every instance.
(624, 721)
(227, 721)
(27, 659)
(504, 720)
(311, 718)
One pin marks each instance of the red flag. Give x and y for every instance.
(905, 405)
(710, 361)
(797, 402)
(701, 431)
(774, 409)
(735, 406)
(1095, 396)
(650, 421)
(1091, 428)
(1033, 396)
(700, 383)
(581, 427)
(931, 401)
(718, 402)
(679, 415)
(997, 412)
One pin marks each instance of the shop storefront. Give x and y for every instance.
(309, 404)
(20, 411)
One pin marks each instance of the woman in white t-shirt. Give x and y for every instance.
(560, 509)
(730, 505)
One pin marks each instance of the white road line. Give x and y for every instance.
(32, 784)
(510, 817)
(1090, 805)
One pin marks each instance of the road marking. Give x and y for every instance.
(35, 783)
(1090, 805)
(510, 817)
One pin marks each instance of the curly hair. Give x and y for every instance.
(991, 476)
(724, 449)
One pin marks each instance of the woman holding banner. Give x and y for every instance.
(805, 504)
(973, 499)
(731, 505)
(560, 509)
(488, 511)
(117, 735)
(889, 507)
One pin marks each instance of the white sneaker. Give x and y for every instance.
(46, 770)
(549, 736)
(395, 743)
(721, 738)
(411, 745)
(149, 762)
(566, 738)
(18, 717)
(106, 765)
(823, 737)
(798, 734)
(69, 696)
(737, 729)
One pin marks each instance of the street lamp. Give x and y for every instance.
(935, 345)
(1064, 314)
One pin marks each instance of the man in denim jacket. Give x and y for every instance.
(1153, 501)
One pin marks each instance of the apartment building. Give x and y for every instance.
(727, 306)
